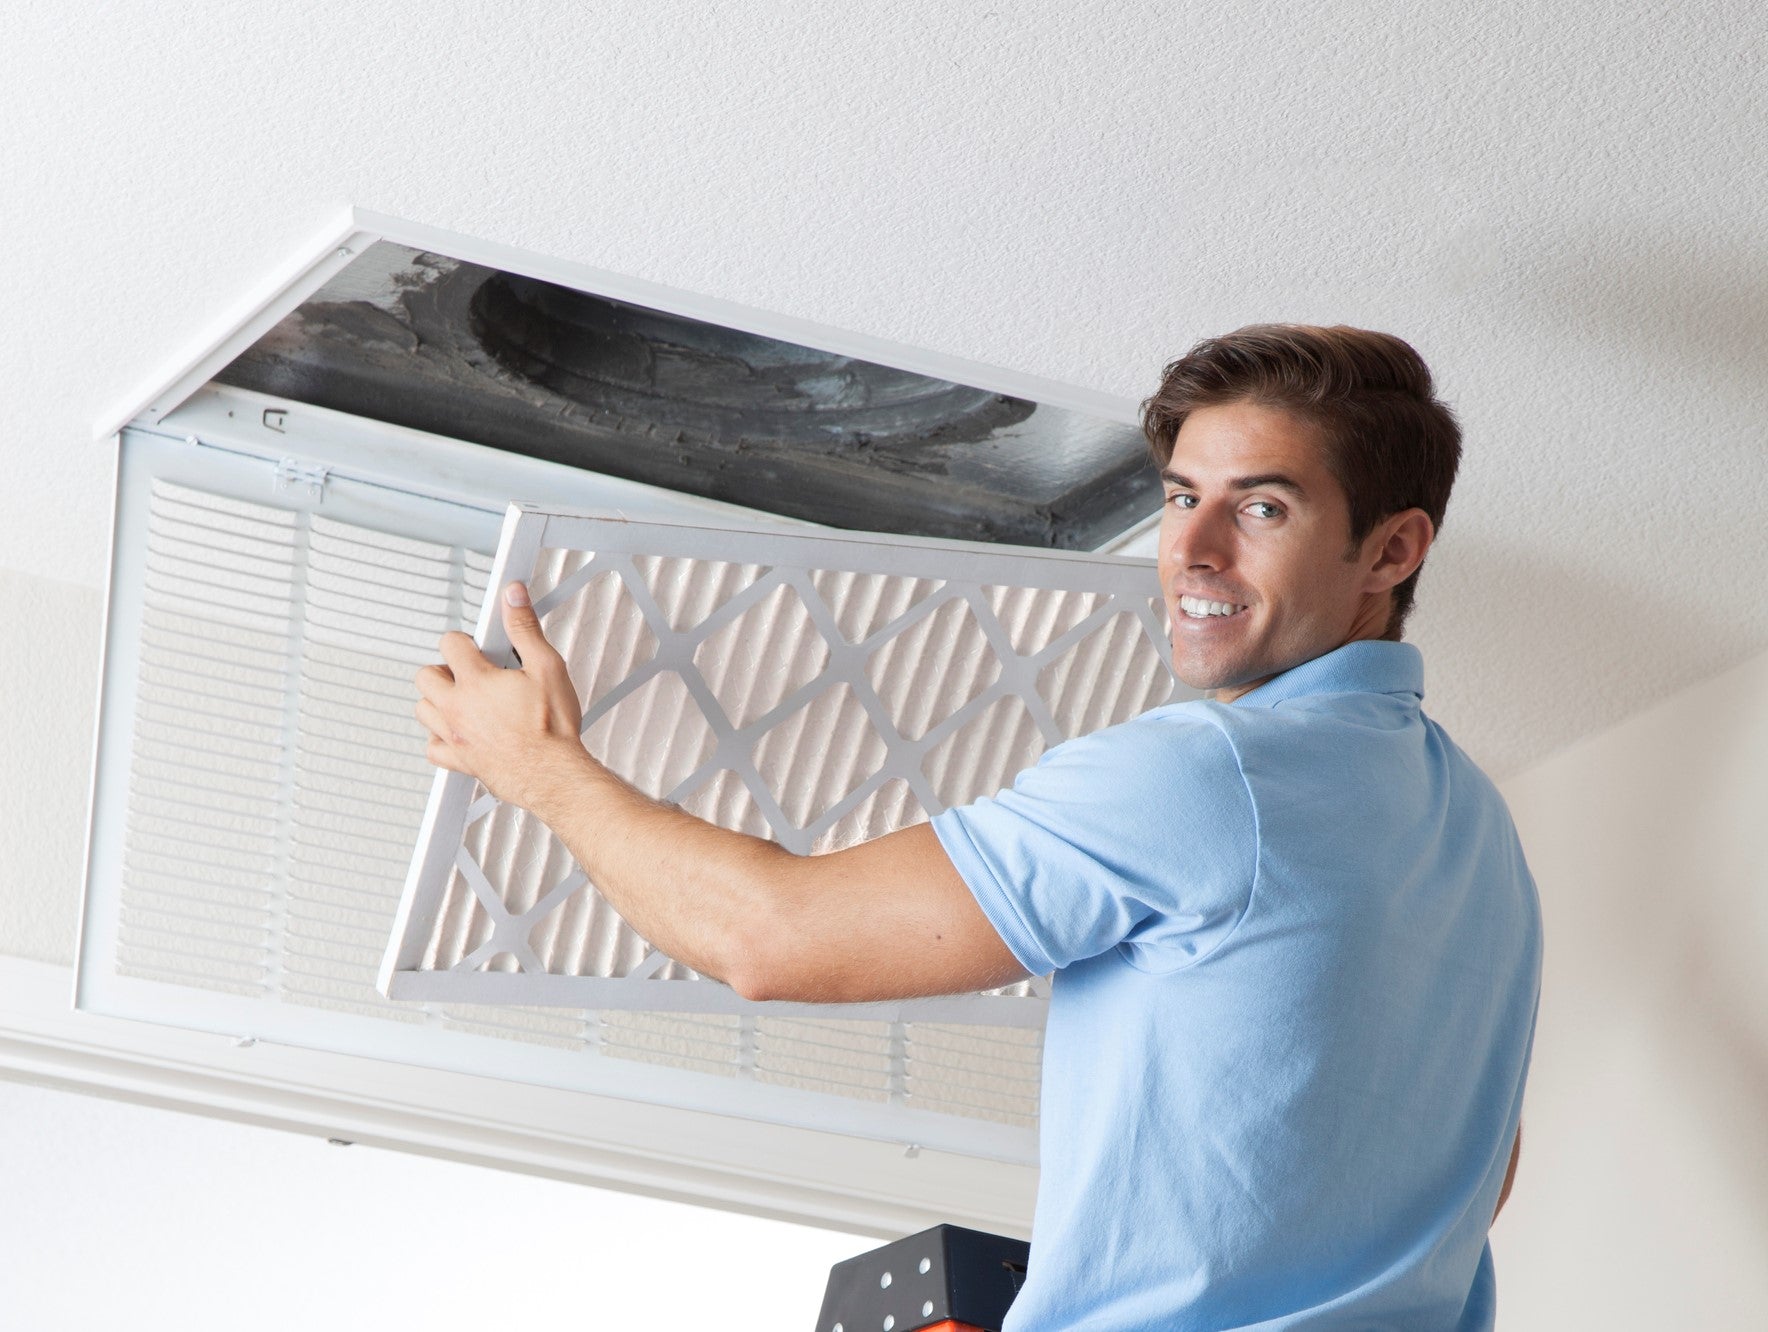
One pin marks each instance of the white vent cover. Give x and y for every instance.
(260, 781)
(815, 689)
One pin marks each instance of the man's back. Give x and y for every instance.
(1298, 958)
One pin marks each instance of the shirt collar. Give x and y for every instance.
(1367, 666)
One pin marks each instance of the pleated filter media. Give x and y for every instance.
(816, 689)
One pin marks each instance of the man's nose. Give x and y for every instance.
(1202, 539)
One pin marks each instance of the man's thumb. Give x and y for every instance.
(521, 623)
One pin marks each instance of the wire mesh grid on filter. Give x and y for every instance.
(819, 694)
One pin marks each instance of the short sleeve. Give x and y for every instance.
(1141, 836)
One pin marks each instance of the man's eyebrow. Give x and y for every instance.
(1271, 480)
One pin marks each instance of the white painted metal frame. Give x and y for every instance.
(789, 560)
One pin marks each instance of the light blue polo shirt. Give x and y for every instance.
(1297, 957)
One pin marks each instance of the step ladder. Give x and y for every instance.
(947, 1279)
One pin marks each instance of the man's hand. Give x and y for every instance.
(503, 726)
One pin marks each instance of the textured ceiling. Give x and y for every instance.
(1561, 206)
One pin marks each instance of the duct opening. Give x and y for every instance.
(451, 348)
(672, 372)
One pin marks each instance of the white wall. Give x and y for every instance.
(127, 1216)
(1642, 1197)
(49, 697)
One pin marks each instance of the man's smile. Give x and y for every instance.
(1199, 608)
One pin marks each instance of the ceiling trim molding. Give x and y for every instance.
(680, 1155)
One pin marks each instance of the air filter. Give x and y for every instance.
(816, 689)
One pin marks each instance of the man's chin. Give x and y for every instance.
(1204, 681)
(1211, 677)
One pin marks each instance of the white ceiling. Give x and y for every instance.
(1560, 206)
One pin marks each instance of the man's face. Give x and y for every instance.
(1253, 519)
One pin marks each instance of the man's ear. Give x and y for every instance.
(1397, 545)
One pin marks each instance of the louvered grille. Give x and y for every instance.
(277, 782)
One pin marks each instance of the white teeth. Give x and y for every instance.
(1199, 609)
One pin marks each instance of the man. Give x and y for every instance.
(1296, 945)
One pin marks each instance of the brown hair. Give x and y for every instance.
(1389, 443)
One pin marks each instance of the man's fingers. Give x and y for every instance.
(430, 678)
(431, 716)
(462, 654)
(437, 754)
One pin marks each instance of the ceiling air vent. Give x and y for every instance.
(304, 507)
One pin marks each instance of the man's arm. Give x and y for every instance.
(887, 919)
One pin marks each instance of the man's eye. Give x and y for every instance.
(1182, 500)
(1272, 510)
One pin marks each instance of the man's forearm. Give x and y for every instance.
(697, 891)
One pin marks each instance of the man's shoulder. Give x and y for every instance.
(1178, 755)
(1194, 734)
